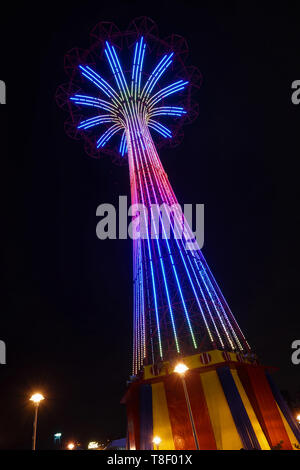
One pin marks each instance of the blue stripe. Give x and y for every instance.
(238, 411)
(146, 417)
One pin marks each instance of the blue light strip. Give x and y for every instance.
(213, 300)
(138, 61)
(167, 111)
(163, 130)
(115, 70)
(223, 298)
(159, 74)
(123, 144)
(135, 291)
(109, 88)
(96, 102)
(94, 122)
(91, 75)
(141, 68)
(134, 67)
(139, 350)
(214, 296)
(153, 74)
(173, 88)
(167, 293)
(138, 329)
(154, 77)
(108, 135)
(135, 323)
(119, 68)
(142, 299)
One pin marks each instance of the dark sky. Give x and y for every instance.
(66, 296)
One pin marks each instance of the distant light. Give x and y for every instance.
(298, 418)
(93, 445)
(37, 398)
(57, 434)
(156, 440)
(71, 446)
(181, 368)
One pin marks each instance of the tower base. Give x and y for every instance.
(234, 405)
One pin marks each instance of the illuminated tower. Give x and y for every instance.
(179, 311)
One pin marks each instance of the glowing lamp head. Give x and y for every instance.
(156, 440)
(298, 418)
(181, 368)
(36, 398)
(93, 445)
(71, 446)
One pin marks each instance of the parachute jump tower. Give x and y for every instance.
(125, 90)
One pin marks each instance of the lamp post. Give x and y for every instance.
(156, 441)
(181, 369)
(36, 398)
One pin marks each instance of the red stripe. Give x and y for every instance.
(204, 429)
(132, 408)
(260, 395)
(178, 413)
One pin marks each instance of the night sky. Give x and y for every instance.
(66, 296)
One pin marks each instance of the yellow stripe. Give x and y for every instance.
(161, 421)
(225, 432)
(192, 362)
(289, 431)
(252, 416)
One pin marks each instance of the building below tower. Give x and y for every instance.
(233, 402)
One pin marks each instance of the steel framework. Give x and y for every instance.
(178, 305)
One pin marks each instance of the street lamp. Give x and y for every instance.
(36, 398)
(298, 418)
(71, 446)
(181, 369)
(156, 441)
